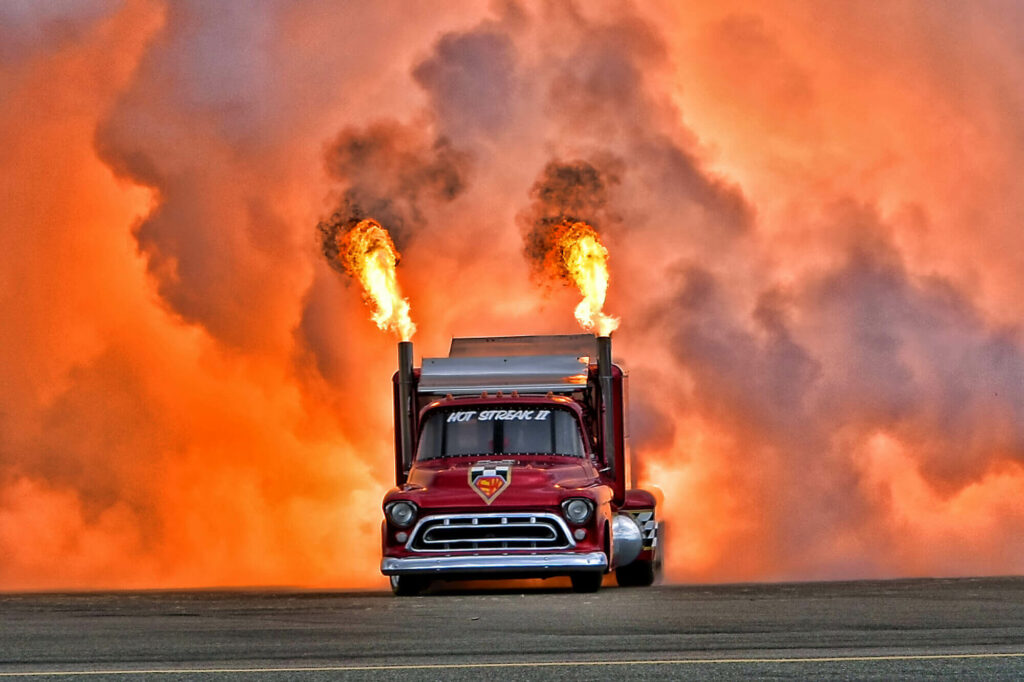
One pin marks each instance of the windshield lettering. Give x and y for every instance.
(502, 415)
(505, 429)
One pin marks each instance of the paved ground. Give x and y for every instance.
(966, 628)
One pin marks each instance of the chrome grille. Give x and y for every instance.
(490, 533)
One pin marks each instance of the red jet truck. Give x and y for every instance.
(510, 462)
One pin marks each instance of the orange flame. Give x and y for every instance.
(579, 256)
(369, 256)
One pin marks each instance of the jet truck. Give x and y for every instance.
(511, 461)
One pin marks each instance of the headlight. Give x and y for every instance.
(401, 513)
(577, 510)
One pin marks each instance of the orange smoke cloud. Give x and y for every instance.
(812, 212)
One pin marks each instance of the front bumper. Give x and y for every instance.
(520, 564)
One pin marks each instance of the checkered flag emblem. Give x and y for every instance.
(489, 480)
(648, 527)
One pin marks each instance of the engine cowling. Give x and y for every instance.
(627, 540)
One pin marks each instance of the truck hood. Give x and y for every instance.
(509, 482)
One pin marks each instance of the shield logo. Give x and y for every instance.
(489, 480)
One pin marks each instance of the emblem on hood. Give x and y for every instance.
(488, 480)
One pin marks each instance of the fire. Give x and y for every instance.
(579, 256)
(369, 256)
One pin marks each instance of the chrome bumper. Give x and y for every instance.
(539, 564)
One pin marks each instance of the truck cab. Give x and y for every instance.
(511, 462)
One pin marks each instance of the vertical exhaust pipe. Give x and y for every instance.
(604, 379)
(405, 416)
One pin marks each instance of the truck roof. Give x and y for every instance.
(526, 364)
(556, 344)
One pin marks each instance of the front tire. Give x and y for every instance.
(586, 582)
(407, 585)
(637, 574)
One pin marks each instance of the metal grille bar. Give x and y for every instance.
(491, 532)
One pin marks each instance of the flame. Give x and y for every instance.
(579, 256)
(369, 256)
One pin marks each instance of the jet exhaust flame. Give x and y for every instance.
(578, 255)
(368, 255)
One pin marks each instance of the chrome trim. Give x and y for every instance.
(627, 540)
(590, 510)
(648, 524)
(494, 387)
(545, 534)
(502, 563)
(526, 374)
(506, 346)
(487, 520)
(394, 503)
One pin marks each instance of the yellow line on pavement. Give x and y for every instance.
(513, 664)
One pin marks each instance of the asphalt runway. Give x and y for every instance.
(949, 629)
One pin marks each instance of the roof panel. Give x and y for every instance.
(526, 374)
(516, 346)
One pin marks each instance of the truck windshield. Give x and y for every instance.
(500, 430)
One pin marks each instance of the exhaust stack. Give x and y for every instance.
(604, 378)
(404, 409)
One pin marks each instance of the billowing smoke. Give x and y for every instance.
(566, 192)
(812, 213)
(562, 245)
(390, 174)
